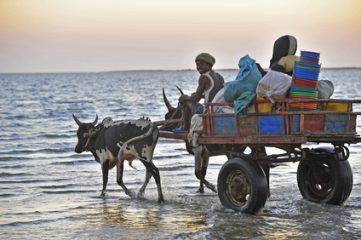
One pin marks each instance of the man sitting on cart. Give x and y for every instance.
(209, 83)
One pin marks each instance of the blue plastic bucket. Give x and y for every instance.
(311, 55)
(306, 70)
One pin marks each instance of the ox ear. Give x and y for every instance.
(167, 104)
(76, 120)
(180, 90)
(96, 120)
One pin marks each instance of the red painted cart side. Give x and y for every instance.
(284, 125)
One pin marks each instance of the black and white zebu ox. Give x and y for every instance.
(112, 142)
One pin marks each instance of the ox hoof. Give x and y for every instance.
(141, 195)
(131, 194)
(211, 187)
(200, 190)
(161, 200)
(102, 195)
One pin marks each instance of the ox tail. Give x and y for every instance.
(147, 134)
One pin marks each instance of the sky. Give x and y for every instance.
(112, 35)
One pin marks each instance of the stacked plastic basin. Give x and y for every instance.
(304, 81)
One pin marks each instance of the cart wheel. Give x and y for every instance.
(325, 179)
(242, 185)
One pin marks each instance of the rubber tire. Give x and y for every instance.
(257, 183)
(337, 176)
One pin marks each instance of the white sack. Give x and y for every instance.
(274, 85)
(219, 98)
(325, 89)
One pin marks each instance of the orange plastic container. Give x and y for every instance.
(335, 107)
(263, 107)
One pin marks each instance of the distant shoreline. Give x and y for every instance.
(160, 70)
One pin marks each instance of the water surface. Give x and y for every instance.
(49, 192)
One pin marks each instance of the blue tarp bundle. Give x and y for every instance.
(242, 91)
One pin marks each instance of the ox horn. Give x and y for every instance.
(180, 90)
(76, 120)
(165, 99)
(96, 120)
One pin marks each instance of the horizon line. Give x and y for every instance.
(152, 70)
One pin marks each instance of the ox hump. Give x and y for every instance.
(107, 122)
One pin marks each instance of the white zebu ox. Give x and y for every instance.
(112, 142)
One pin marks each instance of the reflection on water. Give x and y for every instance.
(152, 217)
(142, 219)
(245, 226)
(49, 192)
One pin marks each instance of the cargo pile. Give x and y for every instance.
(304, 80)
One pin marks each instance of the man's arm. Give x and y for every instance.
(202, 86)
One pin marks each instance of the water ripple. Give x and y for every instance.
(45, 184)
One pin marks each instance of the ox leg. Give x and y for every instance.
(197, 167)
(120, 168)
(105, 171)
(153, 170)
(201, 158)
(266, 171)
(148, 175)
(260, 153)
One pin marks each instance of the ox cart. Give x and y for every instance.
(324, 174)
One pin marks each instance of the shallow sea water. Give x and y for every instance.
(47, 191)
